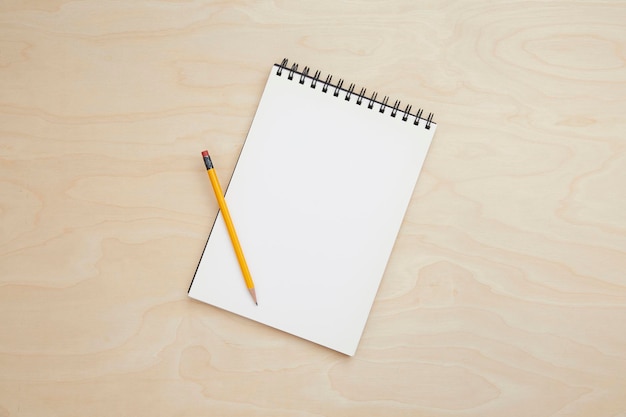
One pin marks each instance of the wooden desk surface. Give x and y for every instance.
(506, 291)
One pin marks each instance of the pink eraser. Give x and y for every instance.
(205, 153)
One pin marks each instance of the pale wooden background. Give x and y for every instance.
(505, 294)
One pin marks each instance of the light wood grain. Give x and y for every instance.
(506, 291)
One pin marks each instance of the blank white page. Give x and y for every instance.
(317, 198)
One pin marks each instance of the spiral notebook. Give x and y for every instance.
(318, 196)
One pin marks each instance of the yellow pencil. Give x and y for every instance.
(229, 224)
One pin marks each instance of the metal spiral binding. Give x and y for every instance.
(304, 74)
(384, 104)
(395, 108)
(372, 100)
(294, 69)
(327, 82)
(338, 88)
(361, 95)
(350, 91)
(315, 79)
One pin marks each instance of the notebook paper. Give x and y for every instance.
(317, 197)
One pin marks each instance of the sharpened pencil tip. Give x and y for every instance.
(253, 294)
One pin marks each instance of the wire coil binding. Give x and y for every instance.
(338, 88)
